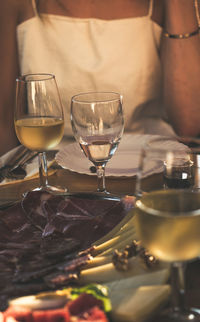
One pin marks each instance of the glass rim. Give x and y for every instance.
(155, 212)
(87, 101)
(44, 76)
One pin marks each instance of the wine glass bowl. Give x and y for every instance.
(98, 123)
(39, 133)
(39, 118)
(168, 224)
(168, 216)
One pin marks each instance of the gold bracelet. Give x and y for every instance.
(181, 36)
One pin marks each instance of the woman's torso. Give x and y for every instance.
(89, 54)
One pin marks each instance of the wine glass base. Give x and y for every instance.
(169, 315)
(57, 190)
(92, 195)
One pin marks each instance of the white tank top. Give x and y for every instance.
(99, 55)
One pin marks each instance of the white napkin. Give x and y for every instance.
(31, 168)
(4, 158)
(137, 304)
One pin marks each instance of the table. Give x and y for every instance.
(77, 182)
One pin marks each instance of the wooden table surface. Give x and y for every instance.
(75, 182)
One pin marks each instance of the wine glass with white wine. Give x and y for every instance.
(98, 123)
(39, 119)
(167, 216)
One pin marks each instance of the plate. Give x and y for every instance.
(135, 294)
(124, 162)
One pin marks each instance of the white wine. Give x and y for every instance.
(99, 152)
(168, 224)
(39, 133)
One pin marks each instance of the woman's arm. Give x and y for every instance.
(181, 67)
(8, 73)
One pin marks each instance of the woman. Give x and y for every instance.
(148, 50)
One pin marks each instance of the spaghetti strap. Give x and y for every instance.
(34, 7)
(151, 3)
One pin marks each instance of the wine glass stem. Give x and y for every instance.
(43, 170)
(178, 287)
(100, 170)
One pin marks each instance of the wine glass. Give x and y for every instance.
(98, 123)
(39, 119)
(167, 215)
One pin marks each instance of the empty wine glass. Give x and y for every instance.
(168, 215)
(98, 123)
(39, 119)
